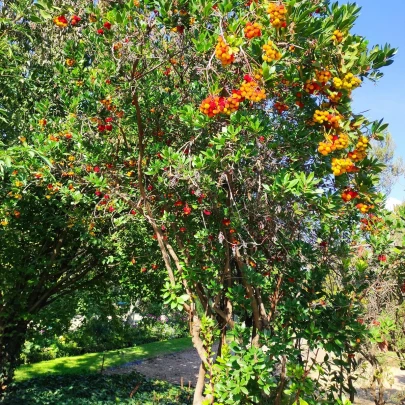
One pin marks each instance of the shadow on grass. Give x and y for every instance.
(92, 362)
(94, 389)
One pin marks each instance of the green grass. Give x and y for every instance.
(91, 362)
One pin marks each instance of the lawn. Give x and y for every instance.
(92, 362)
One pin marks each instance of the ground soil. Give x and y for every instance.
(182, 369)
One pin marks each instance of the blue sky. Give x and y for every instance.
(384, 22)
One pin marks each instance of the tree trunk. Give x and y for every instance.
(199, 388)
(12, 337)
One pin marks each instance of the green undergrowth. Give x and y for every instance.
(96, 389)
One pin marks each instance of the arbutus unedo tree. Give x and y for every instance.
(227, 128)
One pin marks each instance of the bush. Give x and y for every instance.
(96, 389)
(101, 333)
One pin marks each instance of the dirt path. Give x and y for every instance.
(182, 368)
(171, 367)
(395, 389)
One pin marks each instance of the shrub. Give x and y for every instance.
(96, 389)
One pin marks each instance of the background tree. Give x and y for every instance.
(384, 151)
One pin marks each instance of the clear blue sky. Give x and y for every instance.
(384, 22)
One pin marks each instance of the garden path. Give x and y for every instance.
(182, 368)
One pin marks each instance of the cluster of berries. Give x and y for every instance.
(280, 107)
(212, 106)
(326, 118)
(341, 166)
(232, 102)
(278, 15)
(251, 90)
(369, 224)
(334, 142)
(323, 76)
(364, 208)
(312, 87)
(107, 126)
(252, 30)
(62, 22)
(337, 36)
(224, 52)
(334, 96)
(349, 195)
(270, 53)
(349, 82)
(360, 152)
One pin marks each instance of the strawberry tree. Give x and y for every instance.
(227, 130)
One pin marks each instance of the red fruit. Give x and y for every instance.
(206, 212)
(96, 169)
(143, 270)
(187, 210)
(182, 229)
(167, 72)
(262, 139)
(100, 32)
(382, 258)
(132, 212)
(323, 244)
(107, 25)
(349, 195)
(150, 187)
(101, 128)
(154, 266)
(106, 197)
(111, 208)
(178, 203)
(180, 29)
(75, 20)
(109, 127)
(403, 288)
(108, 81)
(248, 78)
(109, 119)
(226, 222)
(291, 279)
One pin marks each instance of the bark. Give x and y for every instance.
(12, 337)
(199, 388)
(281, 385)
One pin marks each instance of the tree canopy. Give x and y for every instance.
(214, 141)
